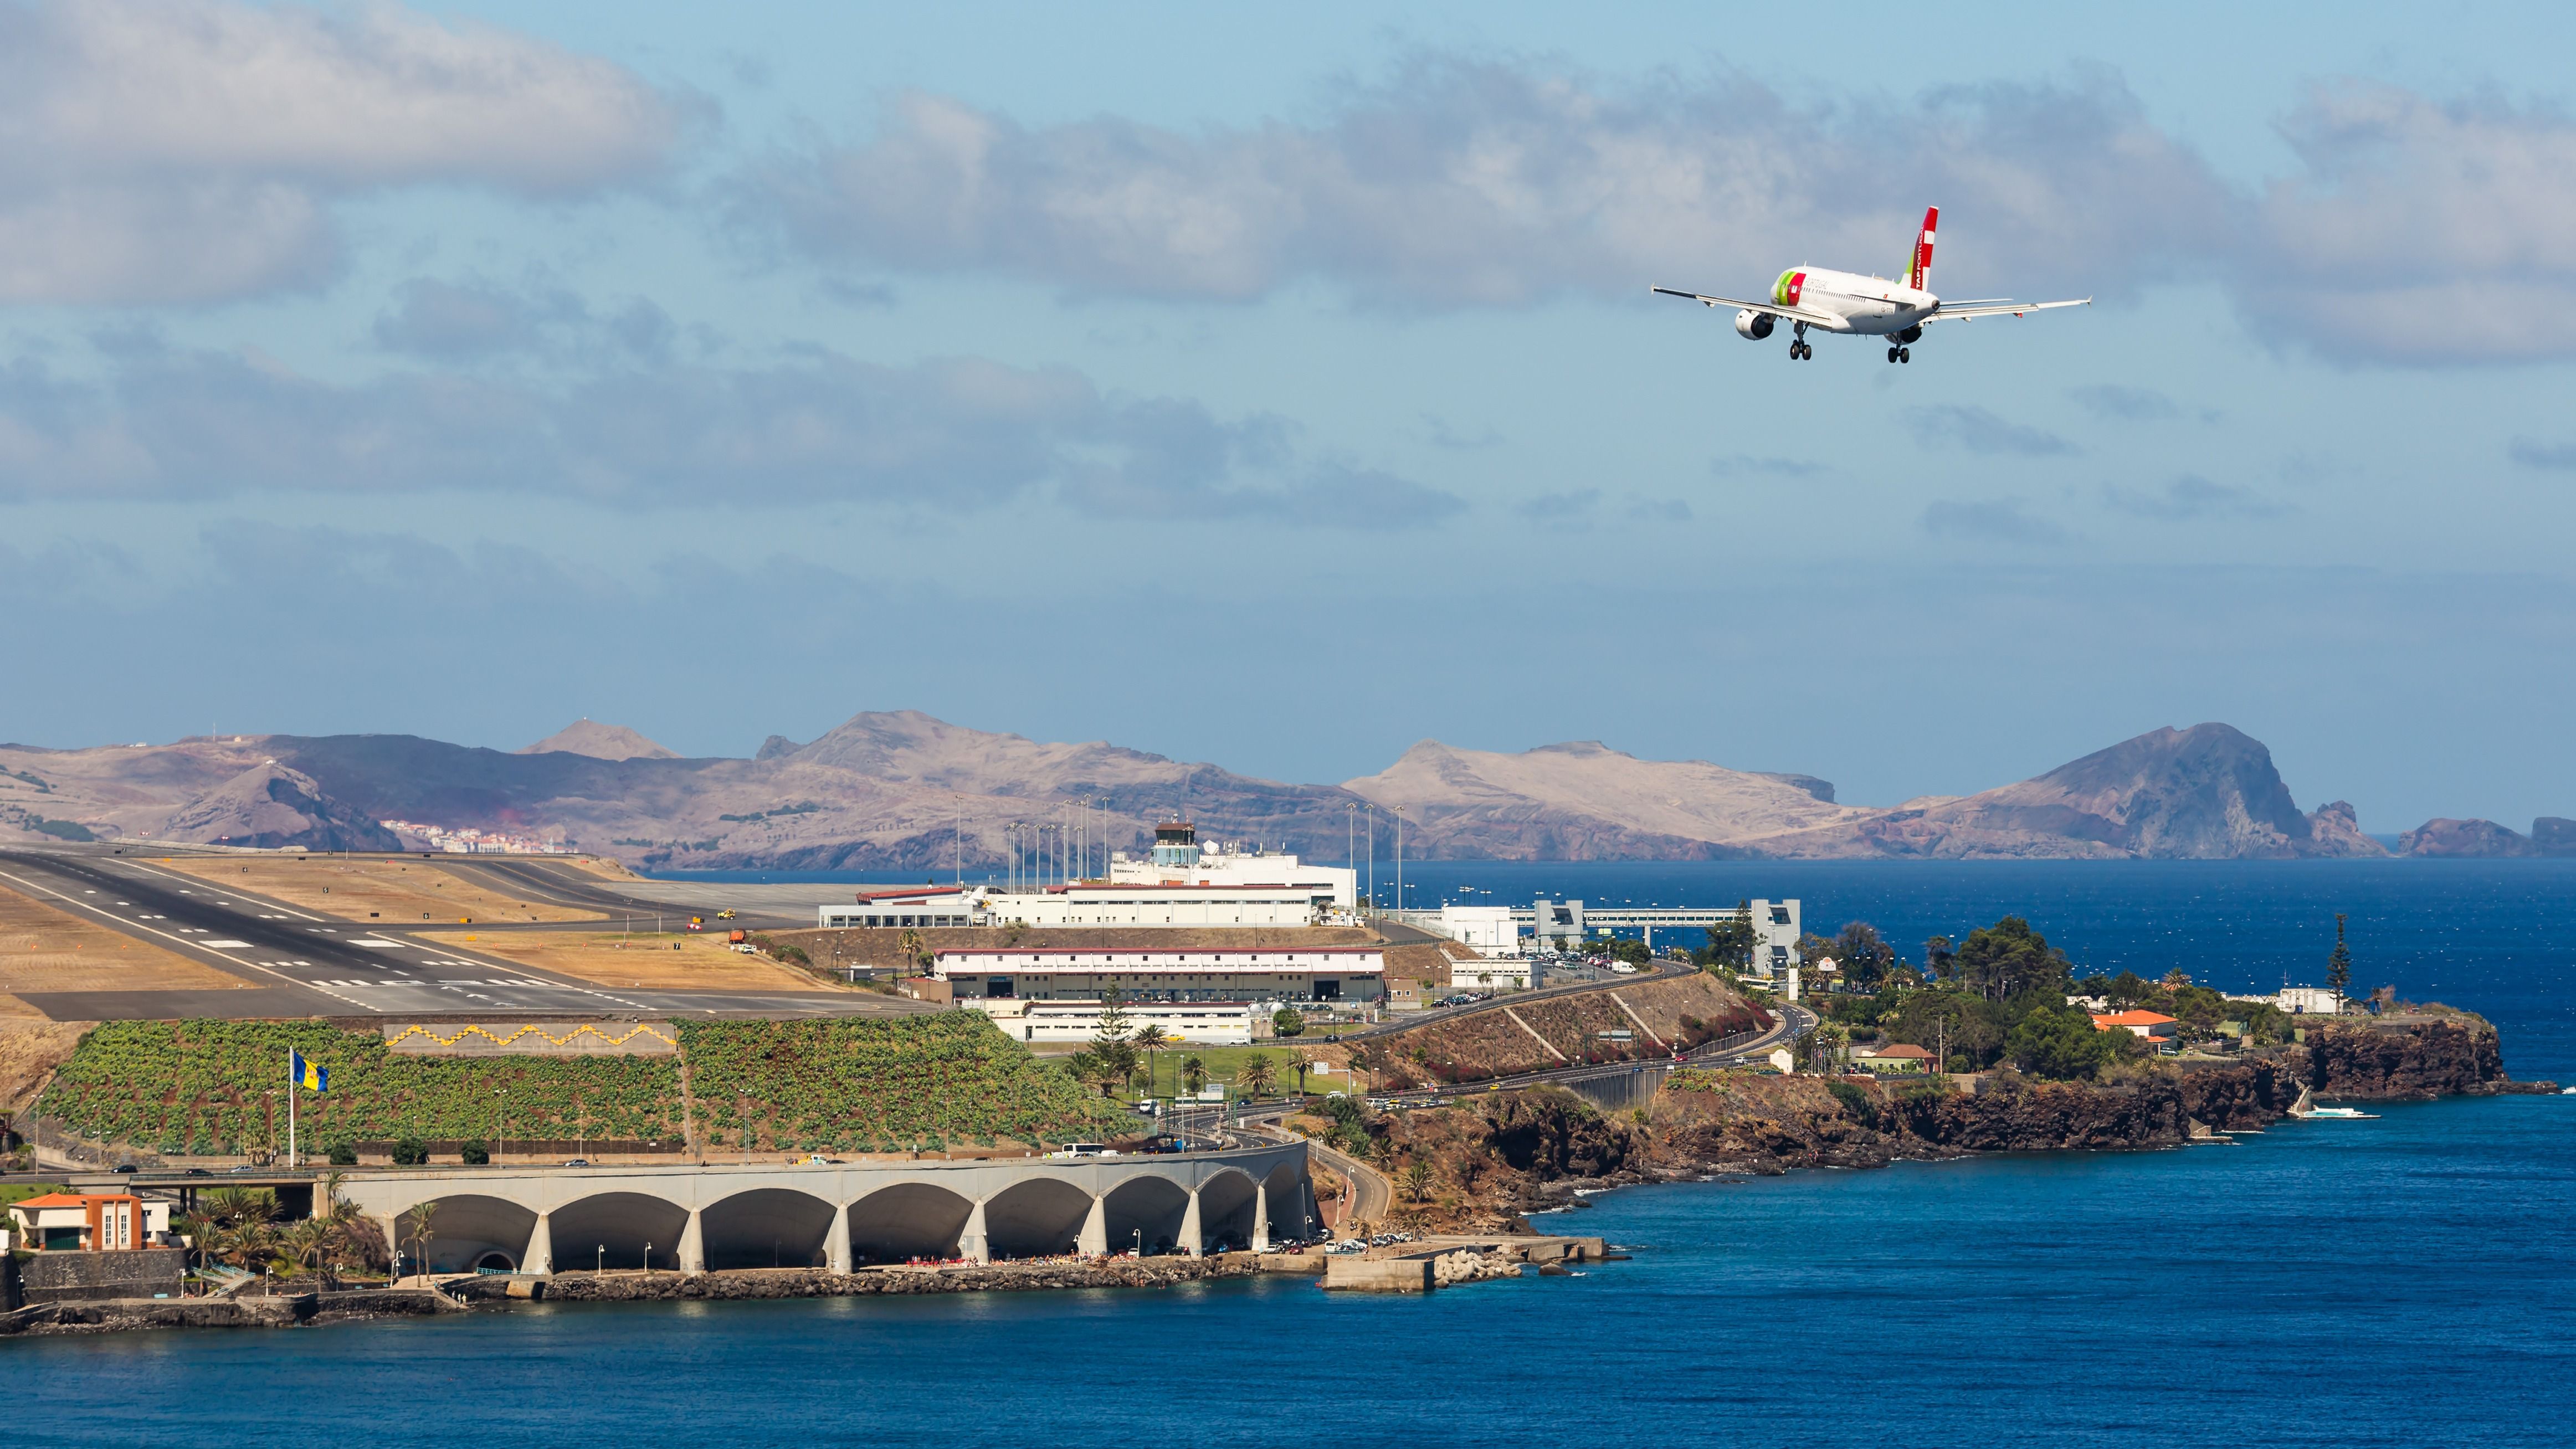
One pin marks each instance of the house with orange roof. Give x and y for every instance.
(92, 1222)
(2155, 1027)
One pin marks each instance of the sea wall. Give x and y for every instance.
(818, 1283)
(73, 1276)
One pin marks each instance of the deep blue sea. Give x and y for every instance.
(2405, 1280)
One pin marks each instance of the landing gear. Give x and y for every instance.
(1900, 354)
(1891, 354)
(1799, 351)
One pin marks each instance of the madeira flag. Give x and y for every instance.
(307, 1074)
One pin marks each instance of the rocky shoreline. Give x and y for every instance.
(1544, 1151)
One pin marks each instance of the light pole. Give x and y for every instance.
(600, 1269)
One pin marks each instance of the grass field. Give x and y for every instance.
(46, 948)
(368, 889)
(645, 959)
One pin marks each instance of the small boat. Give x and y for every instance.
(2341, 1112)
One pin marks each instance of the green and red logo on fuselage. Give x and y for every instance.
(1784, 292)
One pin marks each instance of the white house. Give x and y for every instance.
(1200, 1023)
(1495, 972)
(1337, 974)
(1488, 930)
(2309, 1000)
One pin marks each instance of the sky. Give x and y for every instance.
(1282, 387)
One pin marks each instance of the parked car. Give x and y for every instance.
(576, 1162)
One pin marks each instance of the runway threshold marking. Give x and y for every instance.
(173, 936)
(183, 890)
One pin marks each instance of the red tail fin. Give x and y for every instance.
(1918, 271)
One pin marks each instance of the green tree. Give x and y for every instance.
(1864, 956)
(1940, 958)
(1193, 1073)
(1287, 1022)
(1257, 1074)
(2339, 965)
(1417, 1180)
(1111, 1049)
(1732, 942)
(2008, 958)
(2062, 1043)
(417, 1230)
(1149, 1038)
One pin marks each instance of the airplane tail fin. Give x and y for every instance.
(1918, 267)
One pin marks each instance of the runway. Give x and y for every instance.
(304, 964)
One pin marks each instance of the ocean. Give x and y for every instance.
(2408, 1279)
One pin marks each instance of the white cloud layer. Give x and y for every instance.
(1500, 183)
(950, 434)
(188, 150)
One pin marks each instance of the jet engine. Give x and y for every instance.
(1909, 336)
(1752, 324)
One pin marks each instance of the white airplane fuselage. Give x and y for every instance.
(1862, 306)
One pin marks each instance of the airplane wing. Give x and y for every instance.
(1971, 311)
(1794, 314)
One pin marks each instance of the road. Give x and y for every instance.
(304, 964)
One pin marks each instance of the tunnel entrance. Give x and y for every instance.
(768, 1227)
(616, 1230)
(468, 1232)
(906, 1221)
(1037, 1218)
(1146, 1212)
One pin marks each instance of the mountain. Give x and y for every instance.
(270, 806)
(903, 791)
(2480, 839)
(2206, 793)
(600, 742)
(1585, 801)
(2554, 835)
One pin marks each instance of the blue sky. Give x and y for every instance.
(1281, 388)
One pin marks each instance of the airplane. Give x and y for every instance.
(1848, 304)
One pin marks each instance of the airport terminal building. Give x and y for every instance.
(1334, 975)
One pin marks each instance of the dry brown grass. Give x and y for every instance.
(703, 962)
(370, 889)
(598, 865)
(46, 948)
(30, 1048)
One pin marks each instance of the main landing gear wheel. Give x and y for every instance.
(1905, 354)
(1800, 352)
(1891, 354)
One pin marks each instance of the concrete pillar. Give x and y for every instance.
(693, 1246)
(836, 1243)
(1261, 1217)
(391, 1223)
(1095, 1230)
(975, 1244)
(1308, 1219)
(540, 1257)
(1190, 1239)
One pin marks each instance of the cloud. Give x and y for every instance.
(2532, 453)
(1980, 431)
(2404, 206)
(2003, 520)
(945, 434)
(459, 322)
(1465, 183)
(1658, 510)
(1745, 463)
(1567, 507)
(2125, 404)
(2192, 496)
(190, 150)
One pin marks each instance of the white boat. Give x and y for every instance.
(2340, 1112)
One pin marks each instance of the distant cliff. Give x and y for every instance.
(2477, 839)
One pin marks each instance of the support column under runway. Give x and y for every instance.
(693, 1246)
(540, 1257)
(975, 1244)
(1094, 1241)
(1261, 1217)
(836, 1242)
(1191, 1241)
(392, 1224)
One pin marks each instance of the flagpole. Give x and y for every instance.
(291, 1085)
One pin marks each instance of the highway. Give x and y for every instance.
(303, 964)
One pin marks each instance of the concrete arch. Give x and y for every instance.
(1286, 1189)
(1226, 1203)
(473, 1231)
(766, 1227)
(1035, 1217)
(906, 1221)
(614, 1227)
(1148, 1210)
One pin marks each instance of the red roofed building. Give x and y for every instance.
(2152, 1025)
(89, 1221)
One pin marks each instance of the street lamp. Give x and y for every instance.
(601, 1267)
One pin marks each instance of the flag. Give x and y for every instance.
(307, 1074)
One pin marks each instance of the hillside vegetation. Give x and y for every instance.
(205, 1088)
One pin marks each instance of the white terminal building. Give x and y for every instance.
(1211, 995)
(1186, 882)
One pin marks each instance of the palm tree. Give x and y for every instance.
(306, 1242)
(1417, 1180)
(1149, 1036)
(1256, 1074)
(1193, 1074)
(416, 1229)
